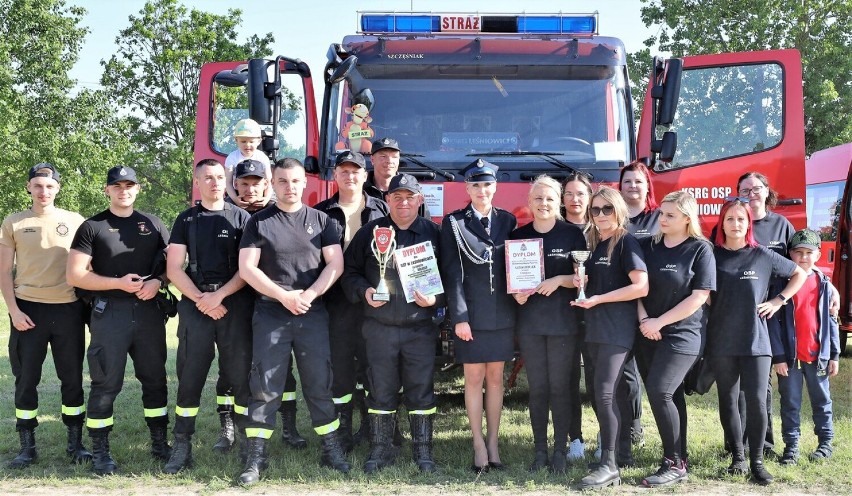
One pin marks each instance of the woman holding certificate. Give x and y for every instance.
(482, 313)
(616, 278)
(681, 272)
(548, 328)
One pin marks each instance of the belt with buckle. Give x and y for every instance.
(209, 288)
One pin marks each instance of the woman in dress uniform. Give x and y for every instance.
(482, 314)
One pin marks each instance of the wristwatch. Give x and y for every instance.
(783, 298)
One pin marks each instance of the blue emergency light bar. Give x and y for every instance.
(458, 23)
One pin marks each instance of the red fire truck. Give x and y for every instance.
(531, 93)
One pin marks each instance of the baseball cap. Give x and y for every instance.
(350, 157)
(247, 128)
(404, 181)
(250, 168)
(805, 239)
(385, 143)
(34, 171)
(480, 171)
(121, 173)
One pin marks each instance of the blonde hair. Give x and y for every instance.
(686, 204)
(622, 217)
(546, 181)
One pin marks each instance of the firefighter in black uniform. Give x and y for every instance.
(125, 249)
(215, 308)
(351, 208)
(290, 254)
(250, 183)
(400, 336)
(385, 155)
(43, 309)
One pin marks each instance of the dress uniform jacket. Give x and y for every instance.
(469, 296)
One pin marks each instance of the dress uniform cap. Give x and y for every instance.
(805, 239)
(385, 143)
(34, 171)
(480, 171)
(350, 157)
(121, 173)
(248, 128)
(404, 181)
(250, 168)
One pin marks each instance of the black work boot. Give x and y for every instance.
(823, 451)
(363, 432)
(181, 454)
(382, 450)
(76, 450)
(160, 442)
(28, 454)
(759, 475)
(540, 461)
(605, 475)
(344, 432)
(421, 442)
(791, 454)
(332, 453)
(738, 464)
(226, 437)
(102, 462)
(289, 434)
(257, 461)
(558, 462)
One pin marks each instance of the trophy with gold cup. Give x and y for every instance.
(383, 245)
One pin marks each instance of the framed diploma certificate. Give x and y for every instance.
(524, 264)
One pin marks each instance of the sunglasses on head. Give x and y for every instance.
(606, 210)
(741, 199)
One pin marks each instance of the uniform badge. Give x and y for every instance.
(62, 229)
(122, 172)
(310, 229)
(404, 180)
(143, 229)
(251, 167)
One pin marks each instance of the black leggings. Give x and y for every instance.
(609, 365)
(663, 370)
(751, 375)
(549, 375)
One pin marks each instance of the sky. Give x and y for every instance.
(305, 29)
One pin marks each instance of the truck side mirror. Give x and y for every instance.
(667, 90)
(234, 78)
(260, 106)
(665, 147)
(343, 70)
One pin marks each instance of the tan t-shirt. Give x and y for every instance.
(352, 211)
(41, 244)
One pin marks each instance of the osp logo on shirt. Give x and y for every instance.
(750, 274)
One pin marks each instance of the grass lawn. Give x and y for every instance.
(299, 471)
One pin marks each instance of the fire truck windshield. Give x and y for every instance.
(520, 117)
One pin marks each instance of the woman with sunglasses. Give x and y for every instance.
(576, 193)
(681, 272)
(737, 336)
(616, 278)
(547, 327)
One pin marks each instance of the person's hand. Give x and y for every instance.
(580, 283)
(240, 202)
(208, 301)
(149, 290)
(294, 303)
(781, 369)
(833, 368)
(308, 296)
(131, 283)
(521, 298)
(368, 294)
(650, 328)
(217, 312)
(588, 302)
(463, 331)
(21, 321)
(547, 287)
(424, 301)
(767, 309)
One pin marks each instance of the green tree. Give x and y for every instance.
(820, 29)
(154, 77)
(40, 119)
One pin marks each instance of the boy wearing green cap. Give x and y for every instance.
(806, 348)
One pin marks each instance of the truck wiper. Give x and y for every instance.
(410, 158)
(550, 157)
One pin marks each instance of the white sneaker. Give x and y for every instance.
(576, 450)
(598, 449)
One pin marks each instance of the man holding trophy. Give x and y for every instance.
(390, 265)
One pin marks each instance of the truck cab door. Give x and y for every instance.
(736, 112)
(282, 101)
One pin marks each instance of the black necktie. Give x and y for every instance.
(485, 223)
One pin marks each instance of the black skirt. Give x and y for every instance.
(487, 346)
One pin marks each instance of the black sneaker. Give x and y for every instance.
(790, 456)
(823, 451)
(759, 475)
(669, 473)
(738, 467)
